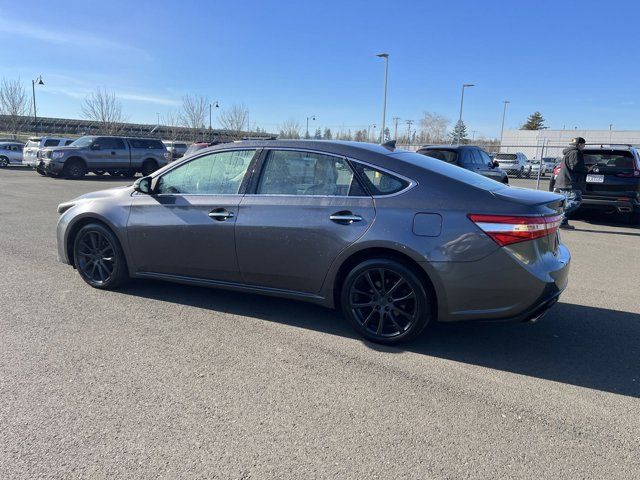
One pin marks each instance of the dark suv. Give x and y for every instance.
(613, 181)
(467, 156)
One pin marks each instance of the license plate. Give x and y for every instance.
(595, 178)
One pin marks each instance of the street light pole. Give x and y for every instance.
(384, 104)
(464, 85)
(395, 130)
(312, 117)
(504, 112)
(33, 88)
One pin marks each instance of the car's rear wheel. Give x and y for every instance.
(148, 167)
(99, 258)
(385, 301)
(74, 169)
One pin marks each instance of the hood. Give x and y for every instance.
(61, 149)
(569, 149)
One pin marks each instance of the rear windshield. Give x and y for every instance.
(457, 173)
(610, 159)
(449, 156)
(506, 156)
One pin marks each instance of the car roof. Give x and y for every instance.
(447, 147)
(337, 147)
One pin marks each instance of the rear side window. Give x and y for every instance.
(380, 183)
(146, 143)
(449, 156)
(68, 142)
(288, 172)
(50, 142)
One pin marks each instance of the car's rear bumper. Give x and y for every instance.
(610, 204)
(505, 286)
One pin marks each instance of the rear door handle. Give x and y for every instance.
(345, 218)
(220, 214)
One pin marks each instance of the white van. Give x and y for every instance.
(33, 146)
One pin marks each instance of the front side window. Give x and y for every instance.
(110, 143)
(449, 156)
(218, 173)
(287, 172)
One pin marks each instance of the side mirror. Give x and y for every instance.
(95, 146)
(143, 185)
(495, 164)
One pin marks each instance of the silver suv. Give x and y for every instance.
(114, 155)
(515, 164)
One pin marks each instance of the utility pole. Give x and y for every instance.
(409, 123)
(504, 113)
(384, 104)
(395, 131)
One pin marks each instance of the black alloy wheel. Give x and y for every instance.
(99, 257)
(385, 301)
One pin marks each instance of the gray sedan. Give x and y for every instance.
(396, 239)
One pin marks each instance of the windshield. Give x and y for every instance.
(82, 142)
(447, 169)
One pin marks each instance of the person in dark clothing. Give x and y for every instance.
(571, 179)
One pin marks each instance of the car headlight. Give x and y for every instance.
(56, 155)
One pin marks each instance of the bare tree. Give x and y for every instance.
(14, 103)
(171, 122)
(194, 112)
(103, 107)
(234, 118)
(290, 129)
(433, 127)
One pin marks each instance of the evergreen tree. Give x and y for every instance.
(360, 136)
(318, 134)
(459, 133)
(327, 134)
(534, 122)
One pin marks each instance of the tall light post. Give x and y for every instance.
(384, 103)
(504, 113)
(312, 117)
(211, 105)
(395, 130)
(37, 81)
(464, 85)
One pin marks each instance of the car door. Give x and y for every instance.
(304, 209)
(467, 160)
(187, 226)
(113, 154)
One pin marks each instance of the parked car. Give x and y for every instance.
(550, 162)
(10, 153)
(613, 181)
(394, 238)
(101, 154)
(535, 165)
(176, 149)
(35, 144)
(469, 157)
(514, 164)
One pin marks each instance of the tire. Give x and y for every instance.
(4, 162)
(99, 258)
(385, 301)
(552, 184)
(148, 167)
(41, 172)
(74, 169)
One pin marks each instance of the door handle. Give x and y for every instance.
(113, 153)
(220, 214)
(345, 218)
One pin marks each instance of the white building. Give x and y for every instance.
(550, 143)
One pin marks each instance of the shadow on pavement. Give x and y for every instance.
(574, 344)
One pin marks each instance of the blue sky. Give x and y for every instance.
(576, 62)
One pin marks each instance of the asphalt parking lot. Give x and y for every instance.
(168, 381)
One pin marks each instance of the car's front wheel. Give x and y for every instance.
(74, 169)
(4, 162)
(385, 301)
(99, 258)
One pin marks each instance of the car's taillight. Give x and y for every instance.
(556, 170)
(507, 229)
